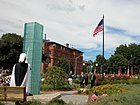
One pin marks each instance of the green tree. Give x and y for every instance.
(55, 77)
(131, 53)
(87, 66)
(117, 61)
(10, 49)
(65, 65)
(123, 50)
(101, 61)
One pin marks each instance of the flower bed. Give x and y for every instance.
(108, 89)
(102, 89)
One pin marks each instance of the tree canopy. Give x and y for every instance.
(65, 65)
(10, 49)
(125, 56)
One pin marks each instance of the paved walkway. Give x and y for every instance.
(66, 96)
(75, 99)
(69, 97)
(43, 97)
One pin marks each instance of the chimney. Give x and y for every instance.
(67, 45)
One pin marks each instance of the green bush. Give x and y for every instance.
(76, 81)
(54, 78)
(67, 87)
(43, 87)
(47, 87)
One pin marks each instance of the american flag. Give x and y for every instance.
(99, 28)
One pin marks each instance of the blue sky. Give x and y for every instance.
(73, 22)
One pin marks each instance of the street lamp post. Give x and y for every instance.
(76, 63)
(95, 68)
(91, 68)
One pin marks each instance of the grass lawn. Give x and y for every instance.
(132, 97)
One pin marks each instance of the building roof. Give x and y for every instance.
(67, 45)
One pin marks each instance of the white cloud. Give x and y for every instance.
(73, 21)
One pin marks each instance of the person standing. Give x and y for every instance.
(70, 78)
(93, 78)
(20, 73)
(86, 79)
(82, 81)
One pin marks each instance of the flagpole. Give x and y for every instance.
(99, 28)
(103, 51)
(103, 37)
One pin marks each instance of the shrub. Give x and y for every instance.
(54, 78)
(43, 87)
(76, 81)
(66, 87)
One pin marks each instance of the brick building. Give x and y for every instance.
(56, 51)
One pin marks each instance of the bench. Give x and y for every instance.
(8, 93)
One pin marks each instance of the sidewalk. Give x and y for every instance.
(43, 97)
(70, 97)
(66, 96)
